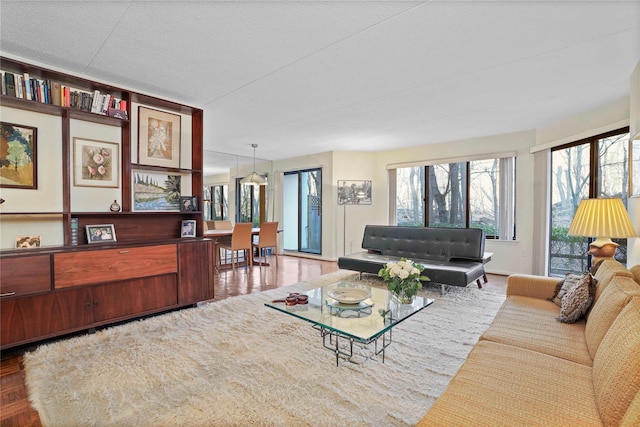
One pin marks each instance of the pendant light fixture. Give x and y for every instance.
(253, 178)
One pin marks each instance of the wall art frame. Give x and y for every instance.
(19, 158)
(188, 203)
(354, 192)
(96, 163)
(156, 191)
(188, 228)
(158, 138)
(28, 242)
(100, 233)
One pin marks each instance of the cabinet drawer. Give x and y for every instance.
(91, 267)
(25, 275)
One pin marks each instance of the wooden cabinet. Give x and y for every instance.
(31, 318)
(94, 287)
(194, 268)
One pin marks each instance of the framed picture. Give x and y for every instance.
(101, 233)
(158, 138)
(25, 242)
(188, 203)
(18, 156)
(188, 228)
(95, 163)
(634, 167)
(155, 191)
(354, 192)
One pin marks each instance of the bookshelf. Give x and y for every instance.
(149, 268)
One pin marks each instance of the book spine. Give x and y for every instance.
(11, 84)
(27, 86)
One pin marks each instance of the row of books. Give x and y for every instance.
(52, 92)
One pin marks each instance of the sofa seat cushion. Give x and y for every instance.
(503, 385)
(456, 273)
(616, 367)
(531, 323)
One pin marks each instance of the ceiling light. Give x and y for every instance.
(253, 178)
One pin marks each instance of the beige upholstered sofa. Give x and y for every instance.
(528, 369)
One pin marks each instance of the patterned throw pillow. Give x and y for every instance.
(576, 302)
(564, 286)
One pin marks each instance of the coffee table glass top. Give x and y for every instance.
(363, 321)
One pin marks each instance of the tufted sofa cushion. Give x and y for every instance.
(439, 244)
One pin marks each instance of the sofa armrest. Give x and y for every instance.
(528, 285)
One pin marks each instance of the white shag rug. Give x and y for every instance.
(236, 362)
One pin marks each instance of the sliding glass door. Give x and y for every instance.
(302, 218)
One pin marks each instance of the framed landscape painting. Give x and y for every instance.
(158, 138)
(95, 163)
(154, 191)
(18, 156)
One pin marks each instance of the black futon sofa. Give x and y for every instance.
(450, 256)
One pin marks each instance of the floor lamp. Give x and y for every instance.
(602, 219)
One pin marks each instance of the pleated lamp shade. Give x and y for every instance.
(602, 219)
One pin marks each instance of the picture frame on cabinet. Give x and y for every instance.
(634, 167)
(156, 191)
(158, 138)
(96, 163)
(19, 158)
(188, 228)
(354, 192)
(100, 233)
(188, 203)
(28, 242)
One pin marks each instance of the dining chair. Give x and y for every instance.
(222, 225)
(267, 238)
(240, 241)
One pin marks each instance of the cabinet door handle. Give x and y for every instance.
(7, 294)
(123, 252)
(87, 305)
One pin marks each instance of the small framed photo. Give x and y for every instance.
(188, 203)
(188, 228)
(158, 138)
(18, 156)
(101, 233)
(95, 163)
(27, 242)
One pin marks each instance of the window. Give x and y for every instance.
(248, 203)
(476, 194)
(594, 167)
(216, 202)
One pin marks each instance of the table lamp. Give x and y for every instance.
(602, 219)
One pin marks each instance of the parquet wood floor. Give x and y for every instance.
(14, 405)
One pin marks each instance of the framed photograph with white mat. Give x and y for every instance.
(95, 163)
(158, 138)
(354, 192)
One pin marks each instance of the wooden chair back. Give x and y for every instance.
(241, 236)
(268, 236)
(223, 225)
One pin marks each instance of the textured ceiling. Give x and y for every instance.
(302, 77)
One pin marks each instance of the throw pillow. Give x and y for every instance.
(595, 267)
(577, 300)
(564, 286)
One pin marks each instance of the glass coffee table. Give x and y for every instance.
(345, 322)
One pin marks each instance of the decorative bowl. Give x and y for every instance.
(349, 295)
